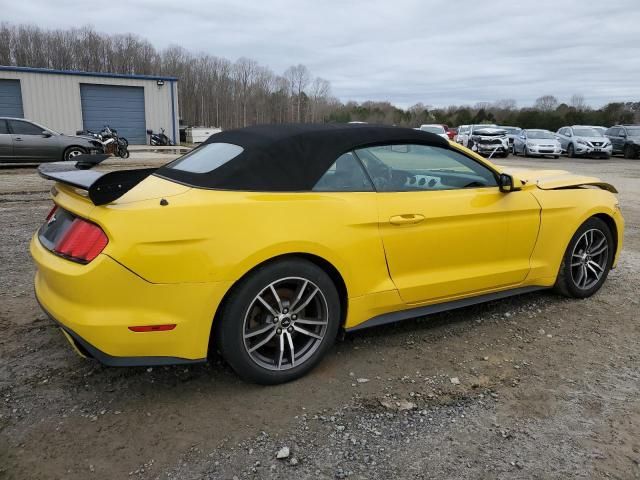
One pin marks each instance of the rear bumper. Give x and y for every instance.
(95, 304)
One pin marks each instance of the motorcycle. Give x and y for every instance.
(159, 139)
(112, 144)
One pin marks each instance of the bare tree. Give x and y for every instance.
(546, 103)
(577, 101)
(298, 77)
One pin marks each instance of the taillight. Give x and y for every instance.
(82, 242)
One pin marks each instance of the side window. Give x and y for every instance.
(405, 168)
(613, 131)
(19, 127)
(345, 175)
(4, 130)
(562, 131)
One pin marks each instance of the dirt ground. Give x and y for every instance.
(535, 386)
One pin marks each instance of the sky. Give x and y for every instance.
(438, 53)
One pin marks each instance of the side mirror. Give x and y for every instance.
(509, 184)
(149, 132)
(569, 134)
(623, 135)
(46, 134)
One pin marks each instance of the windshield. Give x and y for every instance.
(511, 130)
(586, 132)
(539, 134)
(633, 131)
(432, 128)
(206, 158)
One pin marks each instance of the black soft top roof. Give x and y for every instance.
(291, 157)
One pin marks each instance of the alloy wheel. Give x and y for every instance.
(285, 323)
(589, 259)
(73, 153)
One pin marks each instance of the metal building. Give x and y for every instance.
(67, 101)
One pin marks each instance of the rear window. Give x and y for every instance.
(206, 158)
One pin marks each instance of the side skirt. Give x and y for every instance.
(393, 317)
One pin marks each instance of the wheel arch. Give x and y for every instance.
(613, 227)
(326, 266)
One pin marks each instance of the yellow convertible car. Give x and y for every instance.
(265, 241)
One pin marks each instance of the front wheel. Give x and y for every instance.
(72, 152)
(279, 322)
(587, 260)
(513, 150)
(571, 153)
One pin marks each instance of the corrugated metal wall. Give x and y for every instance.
(53, 99)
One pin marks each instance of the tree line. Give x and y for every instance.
(214, 91)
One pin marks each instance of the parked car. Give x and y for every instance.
(462, 134)
(24, 141)
(371, 226)
(489, 141)
(625, 139)
(536, 142)
(581, 140)
(438, 129)
(450, 134)
(463, 138)
(512, 133)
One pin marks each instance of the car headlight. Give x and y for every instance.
(582, 142)
(530, 144)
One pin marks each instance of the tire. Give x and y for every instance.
(570, 282)
(123, 152)
(629, 153)
(72, 152)
(525, 151)
(513, 150)
(257, 344)
(571, 153)
(556, 156)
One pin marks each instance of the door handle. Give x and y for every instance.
(18, 139)
(406, 219)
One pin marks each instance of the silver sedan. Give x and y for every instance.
(534, 142)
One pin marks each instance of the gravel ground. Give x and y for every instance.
(535, 386)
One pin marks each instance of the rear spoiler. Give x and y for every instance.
(102, 187)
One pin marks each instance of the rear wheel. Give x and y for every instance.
(72, 152)
(587, 260)
(279, 322)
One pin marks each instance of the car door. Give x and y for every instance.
(32, 144)
(446, 227)
(563, 138)
(621, 139)
(519, 142)
(612, 135)
(6, 142)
